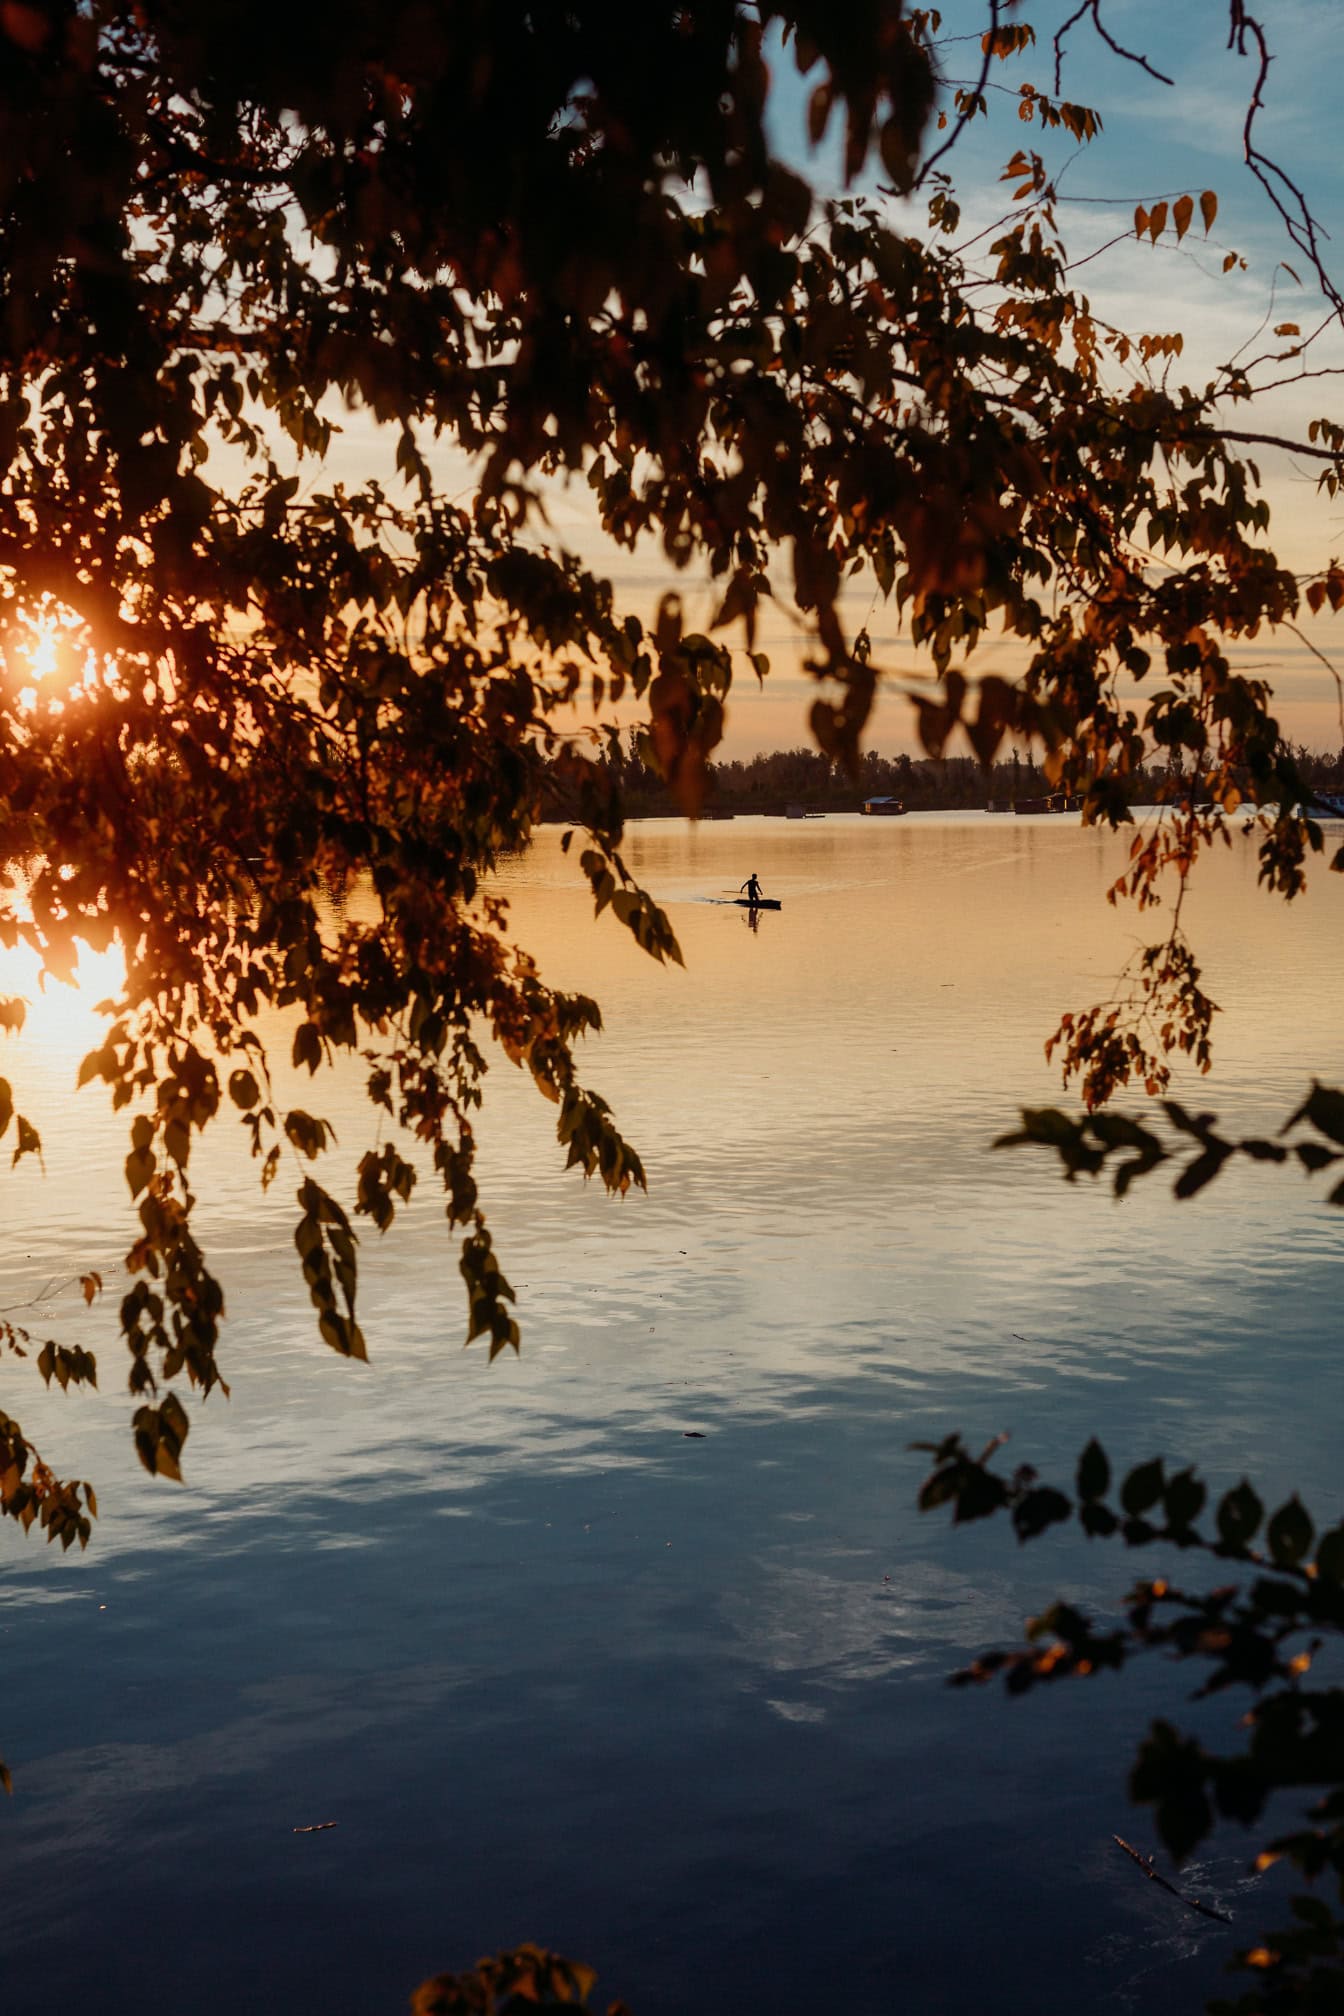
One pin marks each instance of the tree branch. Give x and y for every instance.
(1093, 7)
(1303, 228)
(967, 112)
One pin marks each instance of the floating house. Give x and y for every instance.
(883, 808)
(1058, 801)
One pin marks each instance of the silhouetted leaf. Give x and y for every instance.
(1324, 1109)
(1142, 1488)
(1169, 1776)
(1183, 1499)
(1037, 1510)
(1239, 1516)
(1289, 1534)
(1094, 1472)
(1330, 1555)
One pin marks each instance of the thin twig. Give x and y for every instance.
(43, 1295)
(1191, 1903)
(968, 101)
(1276, 441)
(1333, 670)
(1093, 7)
(1303, 227)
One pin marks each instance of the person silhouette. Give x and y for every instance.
(752, 885)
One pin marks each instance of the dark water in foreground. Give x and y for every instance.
(560, 1672)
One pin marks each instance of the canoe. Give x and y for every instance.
(761, 903)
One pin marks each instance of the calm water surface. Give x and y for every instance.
(560, 1671)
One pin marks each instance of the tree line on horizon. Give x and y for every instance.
(774, 779)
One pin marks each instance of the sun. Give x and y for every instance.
(31, 656)
(50, 661)
(40, 652)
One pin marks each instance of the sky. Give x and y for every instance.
(1158, 141)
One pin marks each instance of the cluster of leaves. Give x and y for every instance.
(1160, 1008)
(1091, 1143)
(1262, 1634)
(30, 1491)
(1163, 1011)
(510, 1984)
(1152, 223)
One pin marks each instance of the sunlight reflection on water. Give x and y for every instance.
(558, 1670)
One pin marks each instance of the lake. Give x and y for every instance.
(636, 1646)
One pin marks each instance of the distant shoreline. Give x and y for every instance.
(774, 783)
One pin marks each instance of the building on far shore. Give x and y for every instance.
(883, 808)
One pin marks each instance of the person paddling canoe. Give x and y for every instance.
(752, 885)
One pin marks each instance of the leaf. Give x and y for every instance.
(1239, 1516)
(1038, 1509)
(668, 622)
(1183, 1500)
(1208, 209)
(939, 1489)
(1330, 1555)
(307, 1132)
(1157, 221)
(177, 1142)
(1289, 1534)
(1202, 1170)
(1142, 1488)
(160, 1433)
(1094, 1472)
(26, 25)
(90, 1067)
(29, 1141)
(140, 1166)
(1324, 1109)
(898, 157)
(243, 1089)
(740, 600)
(980, 1494)
(1168, 1775)
(307, 1047)
(1182, 213)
